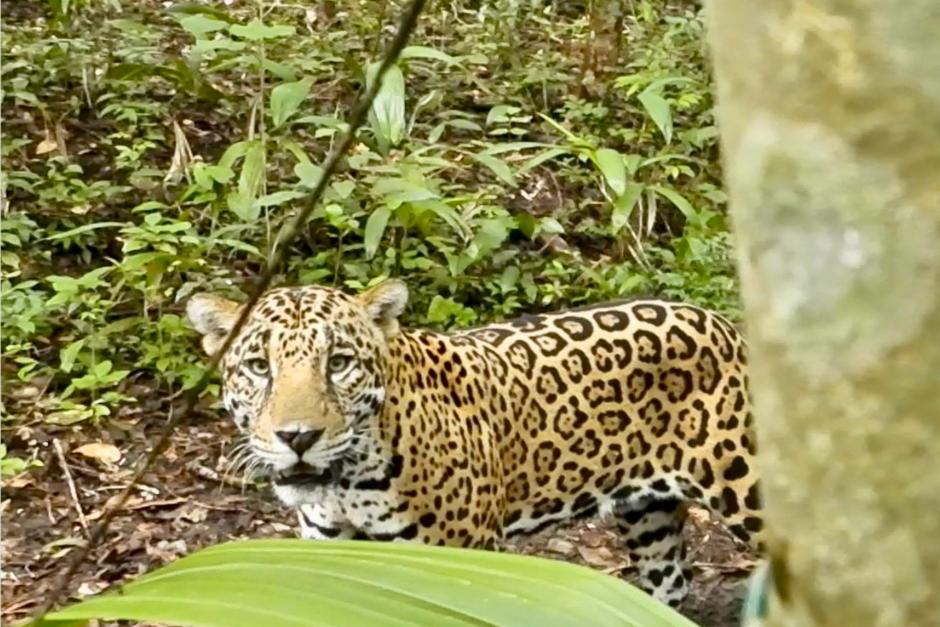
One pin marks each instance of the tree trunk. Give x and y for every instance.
(830, 122)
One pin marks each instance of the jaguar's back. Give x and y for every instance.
(625, 402)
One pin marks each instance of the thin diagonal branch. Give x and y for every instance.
(357, 118)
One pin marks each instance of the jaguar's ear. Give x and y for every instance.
(384, 303)
(214, 317)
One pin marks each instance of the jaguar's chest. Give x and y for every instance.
(375, 512)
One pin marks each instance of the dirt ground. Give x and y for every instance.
(187, 502)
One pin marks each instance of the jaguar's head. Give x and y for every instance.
(305, 377)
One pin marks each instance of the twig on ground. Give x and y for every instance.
(71, 483)
(203, 471)
(52, 518)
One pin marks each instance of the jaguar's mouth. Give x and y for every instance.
(306, 476)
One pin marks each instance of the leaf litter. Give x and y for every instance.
(188, 501)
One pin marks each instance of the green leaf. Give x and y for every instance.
(280, 70)
(207, 175)
(387, 114)
(501, 114)
(324, 121)
(200, 24)
(658, 109)
(233, 153)
(268, 582)
(375, 229)
(542, 157)
(676, 199)
(343, 189)
(211, 45)
(444, 310)
(446, 213)
(549, 226)
(492, 233)
(85, 228)
(243, 207)
(256, 31)
(252, 174)
(513, 147)
(435, 135)
(508, 279)
(610, 163)
(527, 223)
(286, 98)
(424, 52)
(309, 174)
(132, 263)
(395, 191)
(571, 137)
(695, 248)
(499, 167)
(68, 354)
(466, 125)
(623, 206)
(413, 195)
(278, 198)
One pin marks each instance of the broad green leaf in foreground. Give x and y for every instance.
(348, 583)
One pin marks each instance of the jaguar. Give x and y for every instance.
(371, 430)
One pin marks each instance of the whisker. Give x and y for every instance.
(233, 469)
(249, 473)
(239, 460)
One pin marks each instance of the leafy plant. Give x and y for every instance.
(155, 153)
(361, 583)
(11, 465)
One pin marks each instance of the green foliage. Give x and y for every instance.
(151, 153)
(11, 465)
(361, 583)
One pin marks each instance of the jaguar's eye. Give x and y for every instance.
(259, 367)
(338, 363)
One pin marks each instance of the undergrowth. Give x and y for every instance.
(524, 156)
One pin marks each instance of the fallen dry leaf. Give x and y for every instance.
(594, 537)
(557, 545)
(194, 514)
(167, 551)
(88, 588)
(597, 557)
(47, 145)
(19, 481)
(100, 451)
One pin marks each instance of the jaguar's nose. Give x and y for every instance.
(301, 440)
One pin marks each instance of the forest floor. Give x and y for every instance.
(117, 138)
(186, 502)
